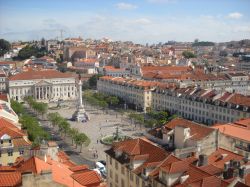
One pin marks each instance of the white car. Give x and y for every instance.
(101, 168)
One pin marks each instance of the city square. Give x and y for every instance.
(101, 124)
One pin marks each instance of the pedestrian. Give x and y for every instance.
(97, 141)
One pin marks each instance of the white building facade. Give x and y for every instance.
(44, 85)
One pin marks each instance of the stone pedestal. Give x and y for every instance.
(80, 114)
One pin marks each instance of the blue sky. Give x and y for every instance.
(142, 21)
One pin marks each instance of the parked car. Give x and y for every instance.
(101, 168)
(103, 162)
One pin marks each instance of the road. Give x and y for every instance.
(68, 149)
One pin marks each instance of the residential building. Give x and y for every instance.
(206, 106)
(128, 158)
(75, 53)
(139, 163)
(5, 109)
(3, 81)
(38, 171)
(42, 85)
(136, 92)
(91, 65)
(235, 136)
(185, 137)
(115, 72)
(14, 142)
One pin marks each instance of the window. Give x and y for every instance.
(123, 184)
(9, 141)
(131, 177)
(116, 165)
(110, 174)
(116, 178)
(123, 170)
(21, 152)
(10, 153)
(137, 180)
(110, 160)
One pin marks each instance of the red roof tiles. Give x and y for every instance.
(10, 179)
(197, 131)
(40, 74)
(88, 178)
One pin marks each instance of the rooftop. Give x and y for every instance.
(39, 74)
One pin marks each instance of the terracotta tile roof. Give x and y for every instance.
(6, 62)
(208, 182)
(88, 60)
(4, 97)
(220, 156)
(141, 147)
(21, 142)
(7, 127)
(239, 99)
(79, 168)
(211, 169)
(233, 130)
(34, 165)
(10, 179)
(7, 168)
(247, 179)
(197, 131)
(168, 160)
(88, 178)
(40, 74)
(175, 167)
(64, 158)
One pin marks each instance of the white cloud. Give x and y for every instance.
(235, 15)
(125, 6)
(143, 21)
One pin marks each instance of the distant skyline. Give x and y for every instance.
(140, 21)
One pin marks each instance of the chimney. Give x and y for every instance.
(203, 160)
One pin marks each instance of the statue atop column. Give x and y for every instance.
(80, 114)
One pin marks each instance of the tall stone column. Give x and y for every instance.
(80, 114)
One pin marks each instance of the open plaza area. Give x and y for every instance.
(102, 123)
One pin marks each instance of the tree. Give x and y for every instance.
(151, 123)
(55, 119)
(93, 80)
(64, 127)
(188, 54)
(73, 132)
(31, 50)
(81, 138)
(17, 107)
(4, 46)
